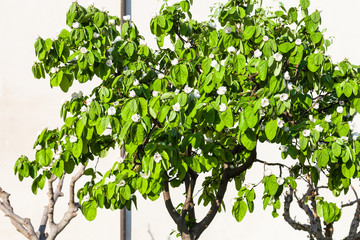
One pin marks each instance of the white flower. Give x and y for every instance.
(117, 39)
(187, 45)
(136, 82)
(95, 35)
(175, 61)
(154, 15)
(176, 91)
(161, 76)
(340, 109)
(176, 107)
(286, 129)
(222, 107)
(83, 50)
(110, 50)
(187, 89)
(212, 24)
(54, 70)
(316, 106)
(111, 111)
(284, 97)
(80, 94)
(223, 62)
(287, 76)
(73, 139)
(221, 90)
(262, 112)
(311, 118)
(92, 4)
(83, 109)
(86, 198)
(355, 136)
(290, 86)
(132, 94)
(319, 128)
(298, 42)
(231, 49)
(214, 63)
(257, 53)
(341, 103)
(111, 22)
(198, 151)
(328, 118)
(196, 93)
(88, 101)
(278, 57)
(121, 183)
(116, 103)
(265, 38)
(268, 172)
(211, 56)
(74, 95)
(144, 175)
(345, 138)
(120, 159)
(306, 132)
(155, 93)
(228, 30)
(280, 181)
(248, 186)
(135, 117)
(75, 25)
(157, 157)
(126, 17)
(280, 123)
(38, 147)
(264, 102)
(109, 63)
(57, 156)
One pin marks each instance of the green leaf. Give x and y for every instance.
(213, 40)
(239, 210)
(89, 210)
(285, 47)
(336, 149)
(271, 129)
(271, 185)
(262, 68)
(227, 118)
(251, 117)
(44, 157)
(56, 79)
(249, 32)
(185, 6)
(303, 141)
(102, 124)
(248, 139)
(77, 148)
(323, 158)
(99, 18)
(304, 4)
(348, 169)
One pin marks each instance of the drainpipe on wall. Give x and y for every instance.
(125, 215)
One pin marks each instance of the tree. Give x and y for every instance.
(200, 107)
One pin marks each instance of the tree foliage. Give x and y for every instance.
(198, 107)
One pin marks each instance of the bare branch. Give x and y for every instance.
(22, 225)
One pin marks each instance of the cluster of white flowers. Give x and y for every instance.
(264, 102)
(111, 111)
(132, 94)
(176, 107)
(280, 123)
(187, 89)
(75, 25)
(157, 157)
(278, 57)
(73, 139)
(221, 90)
(284, 97)
(231, 49)
(265, 38)
(175, 61)
(136, 82)
(306, 133)
(109, 63)
(187, 45)
(257, 53)
(135, 117)
(222, 107)
(228, 30)
(127, 17)
(214, 63)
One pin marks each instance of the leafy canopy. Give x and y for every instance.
(199, 106)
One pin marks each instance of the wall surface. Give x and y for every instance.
(27, 104)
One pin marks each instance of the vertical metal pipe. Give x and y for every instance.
(125, 215)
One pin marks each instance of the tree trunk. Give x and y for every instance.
(187, 236)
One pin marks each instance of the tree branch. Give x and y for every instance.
(22, 225)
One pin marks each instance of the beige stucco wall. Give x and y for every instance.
(27, 104)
